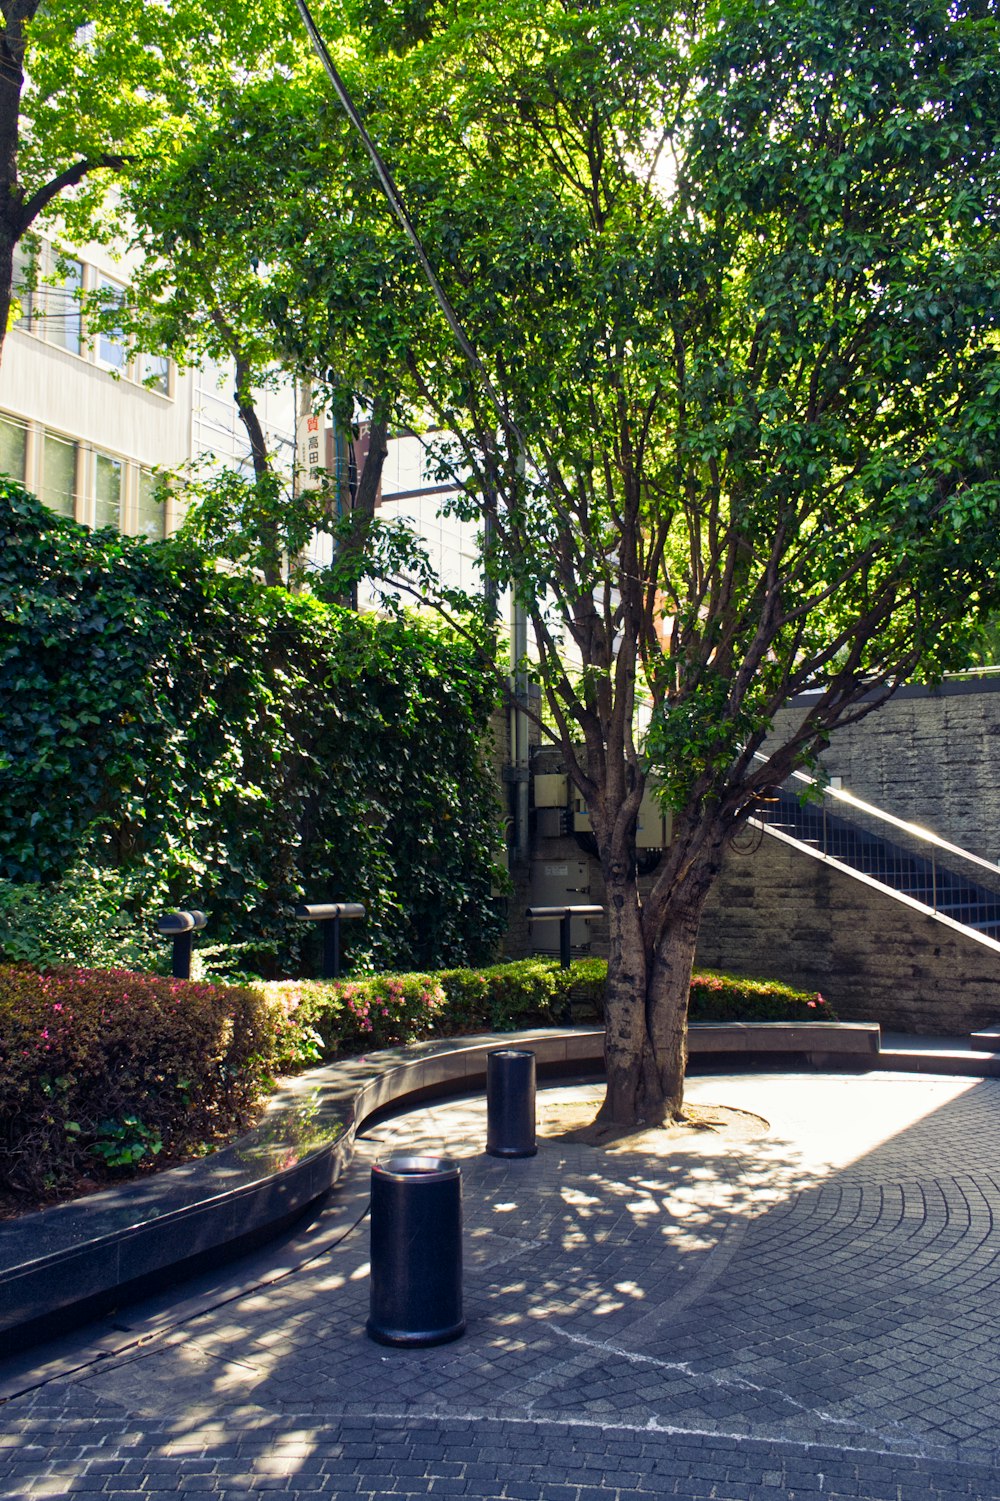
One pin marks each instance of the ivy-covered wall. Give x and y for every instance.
(239, 748)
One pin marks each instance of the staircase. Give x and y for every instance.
(833, 825)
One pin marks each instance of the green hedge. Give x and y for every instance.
(349, 1016)
(732, 998)
(102, 1071)
(340, 1017)
(222, 745)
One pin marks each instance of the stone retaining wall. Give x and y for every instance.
(931, 756)
(781, 914)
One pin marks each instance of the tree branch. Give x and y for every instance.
(68, 178)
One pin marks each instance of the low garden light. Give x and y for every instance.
(181, 927)
(330, 914)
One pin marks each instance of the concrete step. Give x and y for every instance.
(987, 1040)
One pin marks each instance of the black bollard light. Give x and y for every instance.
(181, 927)
(566, 940)
(330, 915)
(416, 1251)
(510, 1103)
(564, 916)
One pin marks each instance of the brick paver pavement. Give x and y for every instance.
(807, 1312)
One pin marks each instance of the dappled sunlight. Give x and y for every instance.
(771, 1283)
(578, 1199)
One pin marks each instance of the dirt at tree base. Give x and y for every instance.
(569, 1115)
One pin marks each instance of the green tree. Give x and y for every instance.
(734, 273)
(89, 91)
(213, 221)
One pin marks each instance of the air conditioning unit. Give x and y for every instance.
(653, 826)
(551, 791)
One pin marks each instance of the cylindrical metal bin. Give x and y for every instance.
(416, 1251)
(510, 1103)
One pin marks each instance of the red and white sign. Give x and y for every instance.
(309, 450)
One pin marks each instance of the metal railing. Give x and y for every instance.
(901, 856)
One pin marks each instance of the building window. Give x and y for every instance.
(112, 349)
(151, 513)
(154, 373)
(22, 285)
(48, 289)
(62, 324)
(58, 487)
(107, 490)
(13, 444)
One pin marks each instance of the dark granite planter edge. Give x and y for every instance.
(74, 1261)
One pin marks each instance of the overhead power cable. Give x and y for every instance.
(399, 209)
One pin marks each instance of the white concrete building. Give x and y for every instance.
(85, 421)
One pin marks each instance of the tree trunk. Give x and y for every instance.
(625, 1035)
(646, 1001)
(14, 217)
(353, 546)
(7, 247)
(247, 409)
(272, 552)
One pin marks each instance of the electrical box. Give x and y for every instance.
(550, 823)
(551, 791)
(652, 826)
(559, 883)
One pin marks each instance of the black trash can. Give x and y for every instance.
(416, 1251)
(510, 1103)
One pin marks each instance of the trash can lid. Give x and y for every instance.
(417, 1166)
(510, 1053)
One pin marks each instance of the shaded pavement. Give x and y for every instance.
(802, 1308)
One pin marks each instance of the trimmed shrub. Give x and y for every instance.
(713, 997)
(732, 998)
(105, 1069)
(339, 1017)
(504, 997)
(103, 1072)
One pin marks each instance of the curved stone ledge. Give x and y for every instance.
(68, 1263)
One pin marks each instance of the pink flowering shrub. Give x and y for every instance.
(730, 998)
(103, 1070)
(337, 1017)
(361, 1015)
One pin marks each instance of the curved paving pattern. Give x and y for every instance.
(80, 1258)
(808, 1314)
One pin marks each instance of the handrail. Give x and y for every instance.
(903, 858)
(916, 831)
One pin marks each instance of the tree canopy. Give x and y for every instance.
(734, 273)
(90, 92)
